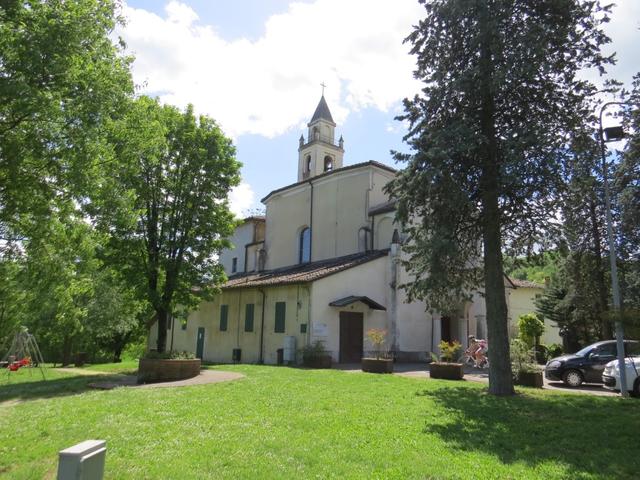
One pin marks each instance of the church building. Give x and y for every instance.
(321, 264)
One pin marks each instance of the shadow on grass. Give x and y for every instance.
(54, 387)
(591, 436)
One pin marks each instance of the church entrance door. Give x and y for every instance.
(351, 337)
(445, 329)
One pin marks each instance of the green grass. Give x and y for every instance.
(289, 423)
(126, 367)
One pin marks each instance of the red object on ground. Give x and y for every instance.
(15, 366)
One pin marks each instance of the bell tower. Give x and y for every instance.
(320, 153)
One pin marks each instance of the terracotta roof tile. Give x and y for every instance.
(524, 283)
(303, 273)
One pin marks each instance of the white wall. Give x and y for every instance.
(367, 279)
(243, 234)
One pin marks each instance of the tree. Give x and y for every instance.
(164, 205)
(489, 134)
(627, 189)
(60, 77)
(530, 329)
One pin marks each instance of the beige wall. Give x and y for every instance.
(218, 345)
(522, 301)
(340, 208)
(245, 233)
(367, 279)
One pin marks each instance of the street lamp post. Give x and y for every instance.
(616, 134)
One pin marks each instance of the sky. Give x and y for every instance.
(256, 66)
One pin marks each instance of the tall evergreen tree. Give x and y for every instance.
(489, 135)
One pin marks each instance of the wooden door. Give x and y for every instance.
(200, 343)
(445, 329)
(351, 334)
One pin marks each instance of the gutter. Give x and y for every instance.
(311, 222)
(264, 295)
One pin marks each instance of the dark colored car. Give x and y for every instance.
(586, 365)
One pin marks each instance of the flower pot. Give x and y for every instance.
(447, 371)
(152, 370)
(529, 379)
(377, 365)
(317, 361)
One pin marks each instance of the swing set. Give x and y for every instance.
(23, 353)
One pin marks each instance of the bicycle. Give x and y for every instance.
(467, 359)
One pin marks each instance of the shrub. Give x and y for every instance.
(522, 358)
(314, 350)
(171, 355)
(554, 350)
(377, 337)
(541, 353)
(530, 328)
(449, 351)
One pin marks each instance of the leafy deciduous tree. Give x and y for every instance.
(164, 205)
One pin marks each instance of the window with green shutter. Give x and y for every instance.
(281, 309)
(224, 315)
(248, 317)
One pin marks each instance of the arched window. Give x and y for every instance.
(328, 163)
(304, 249)
(308, 163)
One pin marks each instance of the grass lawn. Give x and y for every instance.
(126, 367)
(288, 423)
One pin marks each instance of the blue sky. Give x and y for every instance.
(256, 67)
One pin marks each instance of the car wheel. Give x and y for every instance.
(572, 378)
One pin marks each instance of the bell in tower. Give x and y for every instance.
(320, 153)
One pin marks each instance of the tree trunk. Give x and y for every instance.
(162, 316)
(500, 379)
(66, 351)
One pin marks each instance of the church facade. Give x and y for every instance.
(322, 265)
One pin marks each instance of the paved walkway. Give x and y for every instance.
(421, 370)
(119, 380)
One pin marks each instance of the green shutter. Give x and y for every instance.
(281, 308)
(303, 328)
(248, 318)
(224, 314)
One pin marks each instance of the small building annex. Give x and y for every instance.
(322, 264)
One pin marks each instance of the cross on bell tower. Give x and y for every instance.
(320, 153)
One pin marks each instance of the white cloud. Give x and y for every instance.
(269, 85)
(241, 199)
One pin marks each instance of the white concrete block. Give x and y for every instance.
(84, 461)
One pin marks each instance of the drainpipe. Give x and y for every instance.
(311, 222)
(393, 301)
(261, 361)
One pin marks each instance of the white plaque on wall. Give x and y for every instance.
(320, 330)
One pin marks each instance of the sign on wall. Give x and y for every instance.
(320, 330)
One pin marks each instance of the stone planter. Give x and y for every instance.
(447, 371)
(377, 365)
(530, 379)
(166, 370)
(317, 361)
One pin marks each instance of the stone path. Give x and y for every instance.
(205, 377)
(421, 370)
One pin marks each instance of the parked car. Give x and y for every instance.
(586, 365)
(611, 375)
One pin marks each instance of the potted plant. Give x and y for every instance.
(447, 367)
(523, 365)
(314, 355)
(167, 366)
(381, 361)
